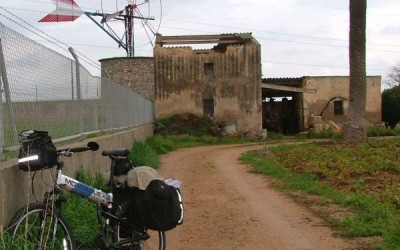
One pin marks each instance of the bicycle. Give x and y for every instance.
(42, 226)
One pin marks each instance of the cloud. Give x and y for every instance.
(297, 36)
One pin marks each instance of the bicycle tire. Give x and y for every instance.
(31, 227)
(156, 241)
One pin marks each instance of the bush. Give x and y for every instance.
(324, 134)
(375, 131)
(391, 106)
(143, 154)
(187, 124)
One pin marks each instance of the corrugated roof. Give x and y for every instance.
(231, 38)
(282, 80)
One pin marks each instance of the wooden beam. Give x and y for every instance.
(287, 88)
(198, 39)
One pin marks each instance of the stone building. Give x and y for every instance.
(291, 105)
(223, 82)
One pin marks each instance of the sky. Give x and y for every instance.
(298, 37)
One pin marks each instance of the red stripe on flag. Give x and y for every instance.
(69, 2)
(58, 18)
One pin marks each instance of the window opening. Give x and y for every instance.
(208, 107)
(209, 69)
(338, 107)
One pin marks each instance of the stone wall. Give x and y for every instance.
(137, 73)
(337, 88)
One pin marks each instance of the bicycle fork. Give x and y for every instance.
(53, 209)
(106, 229)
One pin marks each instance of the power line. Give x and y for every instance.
(319, 65)
(291, 41)
(254, 30)
(86, 59)
(274, 32)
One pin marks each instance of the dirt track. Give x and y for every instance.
(229, 208)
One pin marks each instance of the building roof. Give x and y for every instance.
(234, 38)
(286, 80)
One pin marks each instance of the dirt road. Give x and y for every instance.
(229, 208)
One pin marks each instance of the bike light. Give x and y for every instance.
(29, 158)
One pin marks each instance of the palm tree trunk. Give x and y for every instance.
(355, 130)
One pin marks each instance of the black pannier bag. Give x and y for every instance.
(159, 207)
(37, 151)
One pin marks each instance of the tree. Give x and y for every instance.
(394, 76)
(391, 106)
(354, 130)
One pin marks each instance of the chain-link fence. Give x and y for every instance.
(42, 89)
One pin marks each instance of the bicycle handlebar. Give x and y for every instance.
(93, 146)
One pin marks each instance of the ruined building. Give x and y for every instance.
(223, 82)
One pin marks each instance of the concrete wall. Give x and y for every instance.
(235, 83)
(328, 87)
(137, 73)
(62, 111)
(15, 185)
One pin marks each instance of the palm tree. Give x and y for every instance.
(354, 130)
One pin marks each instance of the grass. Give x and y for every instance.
(375, 131)
(362, 178)
(81, 213)
(7, 242)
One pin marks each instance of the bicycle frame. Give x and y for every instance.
(91, 193)
(83, 190)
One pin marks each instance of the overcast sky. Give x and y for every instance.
(298, 37)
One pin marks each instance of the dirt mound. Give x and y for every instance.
(187, 124)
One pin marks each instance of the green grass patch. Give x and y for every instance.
(324, 134)
(362, 178)
(7, 242)
(81, 213)
(375, 131)
(143, 154)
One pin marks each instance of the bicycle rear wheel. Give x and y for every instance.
(35, 227)
(149, 240)
(154, 241)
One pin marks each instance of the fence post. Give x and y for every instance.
(2, 141)
(13, 124)
(72, 80)
(105, 85)
(78, 90)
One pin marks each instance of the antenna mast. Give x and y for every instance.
(68, 11)
(128, 15)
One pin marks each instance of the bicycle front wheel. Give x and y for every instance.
(36, 227)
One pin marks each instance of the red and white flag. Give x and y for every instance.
(66, 11)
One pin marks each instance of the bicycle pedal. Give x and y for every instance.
(137, 236)
(145, 236)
